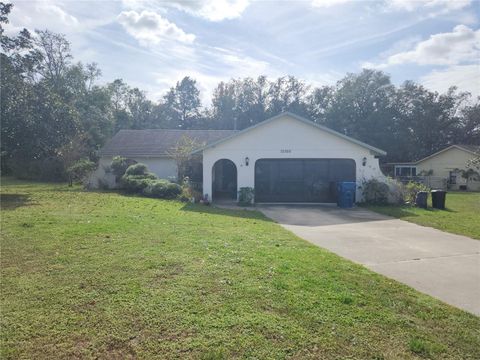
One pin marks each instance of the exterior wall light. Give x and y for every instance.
(364, 161)
(247, 160)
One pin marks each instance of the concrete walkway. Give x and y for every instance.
(440, 264)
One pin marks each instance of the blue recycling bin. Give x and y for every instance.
(346, 194)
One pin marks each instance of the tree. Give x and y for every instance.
(54, 50)
(319, 103)
(361, 106)
(140, 109)
(429, 118)
(468, 127)
(182, 104)
(188, 164)
(119, 90)
(287, 94)
(223, 106)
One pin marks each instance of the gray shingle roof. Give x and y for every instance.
(157, 142)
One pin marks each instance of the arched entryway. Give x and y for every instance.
(224, 176)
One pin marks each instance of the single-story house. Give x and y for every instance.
(445, 166)
(286, 158)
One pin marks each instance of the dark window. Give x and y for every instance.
(404, 171)
(301, 180)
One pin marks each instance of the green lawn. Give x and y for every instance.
(101, 275)
(462, 215)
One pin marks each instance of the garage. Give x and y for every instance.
(288, 159)
(301, 180)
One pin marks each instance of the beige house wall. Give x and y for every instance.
(447, 161)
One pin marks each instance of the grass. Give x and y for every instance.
(101, 275)
(461, 215)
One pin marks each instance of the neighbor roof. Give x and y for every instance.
(157, 142)
(375, 150)
(474, 149)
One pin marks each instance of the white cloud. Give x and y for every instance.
(456, 47)
(150, 28)
(328, 3)
(465, 77)
(32, 16)
(443, 6)
(212, 10)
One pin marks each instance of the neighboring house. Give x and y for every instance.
(446, 166)
(286, 158)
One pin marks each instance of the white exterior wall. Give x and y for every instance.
(163, 167)
(286, 133)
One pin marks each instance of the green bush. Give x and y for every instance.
(188, 191)
(80, 170)
(246, 196)
(411, 190)
(136, 183)
(162, 189)
(137, 169)
(375, 192)
(119, 165)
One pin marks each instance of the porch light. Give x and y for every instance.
(364, 161)
(247, 160)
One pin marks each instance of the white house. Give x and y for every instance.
(286, 158)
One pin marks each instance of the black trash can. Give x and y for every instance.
(421, 199)
(438, 199)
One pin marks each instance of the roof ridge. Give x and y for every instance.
(177, 130)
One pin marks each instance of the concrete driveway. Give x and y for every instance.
(440, 264)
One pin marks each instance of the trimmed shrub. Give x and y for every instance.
(375, 192)
(136, 183)
(137, 169)
(162, 189)
(246, 196)
(119, 165)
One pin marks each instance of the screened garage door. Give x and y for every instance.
(301, 180)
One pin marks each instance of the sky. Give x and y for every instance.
(153, 44)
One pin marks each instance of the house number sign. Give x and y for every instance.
(285, 151)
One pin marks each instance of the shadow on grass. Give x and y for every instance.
(13, 201)
(213, 210)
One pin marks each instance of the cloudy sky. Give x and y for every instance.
(152, 44)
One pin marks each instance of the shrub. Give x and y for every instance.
(395, 191)
(188, 192)
(375, 192)
(136, 183)
(119, 165)
(412, 189)
(162, 189)
(137, 169)
(246, 196)
(80, 170)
